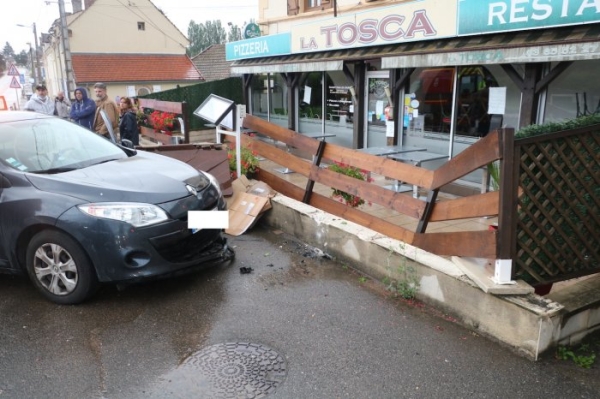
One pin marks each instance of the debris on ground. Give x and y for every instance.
(246, 270)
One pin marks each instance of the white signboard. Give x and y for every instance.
(497, 100)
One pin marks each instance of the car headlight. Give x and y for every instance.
(214, 182)
(136, 214)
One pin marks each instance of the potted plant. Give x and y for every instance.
(250, 163)
(162, 121)
(352, 171)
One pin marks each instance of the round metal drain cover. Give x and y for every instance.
(239, 370)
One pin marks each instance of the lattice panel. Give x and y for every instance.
(558, 227)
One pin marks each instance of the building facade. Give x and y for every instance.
(436, 74)
(130, 46)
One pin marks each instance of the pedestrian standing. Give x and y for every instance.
(104, 103)
(128, 128)
(39, 101)
(83, 109)
(62, 106)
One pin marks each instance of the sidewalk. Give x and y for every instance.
(527, 323)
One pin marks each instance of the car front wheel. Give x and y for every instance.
(59, 268)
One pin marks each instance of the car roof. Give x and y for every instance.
(13, 116)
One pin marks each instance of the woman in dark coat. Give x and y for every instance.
(128, 128)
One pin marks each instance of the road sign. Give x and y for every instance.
(22, 78)
(13, 71)
(14, 83)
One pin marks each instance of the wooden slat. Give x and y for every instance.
(335, 208)
(289, 137)
(164, 106)
(402, 203)
(478, 244)
(467, 207)
(380, 165)
(475, 156)
(399, 202)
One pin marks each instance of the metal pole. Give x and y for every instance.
(65, 43)
(32, 60)
(38, 70)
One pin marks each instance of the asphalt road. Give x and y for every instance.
(298, 326)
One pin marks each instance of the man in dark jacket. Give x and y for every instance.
(83, 109)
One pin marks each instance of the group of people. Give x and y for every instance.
(86, 112)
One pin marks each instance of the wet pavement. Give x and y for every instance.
(297, 326)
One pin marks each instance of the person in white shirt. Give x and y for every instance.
(39, 101)
(62, 105)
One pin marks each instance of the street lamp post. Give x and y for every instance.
(38, 72)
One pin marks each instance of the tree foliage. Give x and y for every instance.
(234, 34)
(203, 35)
(23, 58)
(8, 51)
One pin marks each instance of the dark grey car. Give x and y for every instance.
(77, 210)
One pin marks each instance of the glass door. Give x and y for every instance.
(377, 98)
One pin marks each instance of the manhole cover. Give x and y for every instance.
(239, 370)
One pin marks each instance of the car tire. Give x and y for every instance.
(60, 268)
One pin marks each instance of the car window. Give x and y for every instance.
(39, 145)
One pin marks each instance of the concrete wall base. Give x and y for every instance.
(527, 323)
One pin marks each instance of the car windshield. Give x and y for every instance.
(53, 145)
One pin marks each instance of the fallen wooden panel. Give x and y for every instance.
(475, 244)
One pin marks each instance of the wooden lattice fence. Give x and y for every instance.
(558, 214)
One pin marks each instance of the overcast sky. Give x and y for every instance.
(180, 12)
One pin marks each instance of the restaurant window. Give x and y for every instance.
(326, 107)
(310, 112)
(431, 99)
(278, 103)
(259, 96)
(268, 98)
(576, 92)
(339, 101)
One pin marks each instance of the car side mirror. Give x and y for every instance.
(127, 143)
(128, 146)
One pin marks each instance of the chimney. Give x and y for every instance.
(76, 6)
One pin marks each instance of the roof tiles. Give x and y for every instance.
(89, 68)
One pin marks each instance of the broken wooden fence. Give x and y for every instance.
(484, 244)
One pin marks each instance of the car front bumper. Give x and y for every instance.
(121, 252)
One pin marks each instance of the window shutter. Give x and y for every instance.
(293, 7)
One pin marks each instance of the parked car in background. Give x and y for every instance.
(77, 210)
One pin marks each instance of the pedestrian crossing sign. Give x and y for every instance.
(13, 71)
(14, 83)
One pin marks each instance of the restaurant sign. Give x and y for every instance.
(488, 16)
(406, 22)
(264, 46)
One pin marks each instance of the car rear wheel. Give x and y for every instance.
(59, 268)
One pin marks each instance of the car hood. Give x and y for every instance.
(144, 177)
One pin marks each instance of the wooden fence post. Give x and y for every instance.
(506, 244)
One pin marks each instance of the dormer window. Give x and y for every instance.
(141, 26)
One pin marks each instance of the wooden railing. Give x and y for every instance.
(464, 243)
(548, 203)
